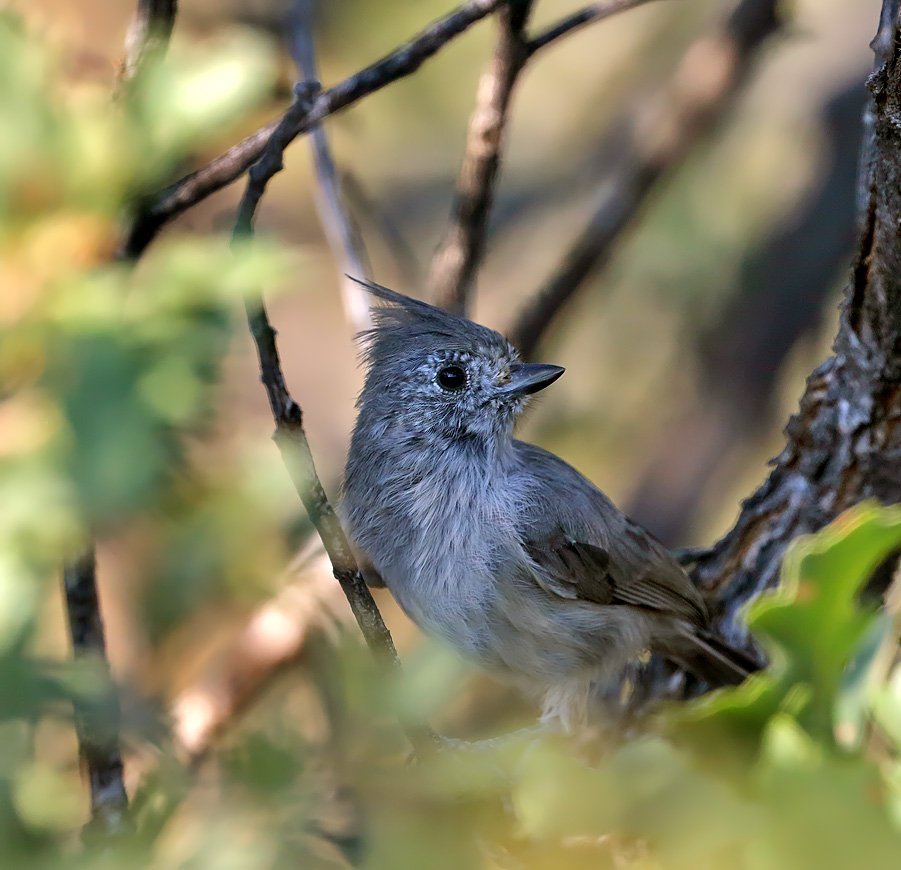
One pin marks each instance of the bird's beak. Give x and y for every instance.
(529, 378)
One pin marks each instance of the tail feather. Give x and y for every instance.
(713, 660)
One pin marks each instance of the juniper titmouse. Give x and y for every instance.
(498, 546)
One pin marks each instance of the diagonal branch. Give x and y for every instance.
(576, 21)
(148, 36)
(705, 87)
(343, 236)
(96, 725)
(289, 433)
(280, 633)
(158, 209)
(457, 258)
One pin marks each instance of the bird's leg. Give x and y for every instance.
(565, 705)
(496, 744)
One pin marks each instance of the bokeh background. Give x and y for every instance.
(685, 354)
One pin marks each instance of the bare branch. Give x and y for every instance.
(96, 724)
(343, 237)
(158, 209)
(704, 88)
(148, 36)
(457, 258)
(289, 434)
(576, 21)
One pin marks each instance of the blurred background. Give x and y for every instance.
(685, 353)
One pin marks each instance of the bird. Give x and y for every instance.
(496, 546)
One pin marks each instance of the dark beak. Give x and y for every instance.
(530, 378)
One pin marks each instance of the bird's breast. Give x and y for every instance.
(437, 534)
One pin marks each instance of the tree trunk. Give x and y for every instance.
(844, 444)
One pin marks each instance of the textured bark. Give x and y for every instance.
(844, 443)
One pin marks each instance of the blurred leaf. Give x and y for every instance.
(812, 628)
(194, 95)
(261, 764)
(887, 706)
(47, 798)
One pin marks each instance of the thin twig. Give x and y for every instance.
(160, 208)
(96, 725)
(457, 258)
(704, 88)
(289, 434)
(343, 236)
(576, 21)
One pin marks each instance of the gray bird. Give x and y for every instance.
(497, 546)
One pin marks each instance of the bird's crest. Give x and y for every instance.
(402, 324)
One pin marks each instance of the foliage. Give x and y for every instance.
(773, 773)
(108, 379)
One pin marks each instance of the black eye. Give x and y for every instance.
(451, 378)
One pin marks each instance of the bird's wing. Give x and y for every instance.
(572, 569)
(578, 570)
(586, 549)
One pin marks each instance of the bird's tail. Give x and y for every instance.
(713, 660)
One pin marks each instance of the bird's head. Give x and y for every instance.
(440, 376)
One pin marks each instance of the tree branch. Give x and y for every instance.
(148, 36)
(158, 209)
(578, 20)
(289, 434)
(310, 604)
(844, 444)
(457, 258)
(881, 46)
(343, 236)
(97, 724)
(705, 86)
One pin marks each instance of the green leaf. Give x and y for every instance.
(812, 628)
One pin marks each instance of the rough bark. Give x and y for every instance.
(844, 443)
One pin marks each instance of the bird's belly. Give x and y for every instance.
(542, 639)
(463, 619)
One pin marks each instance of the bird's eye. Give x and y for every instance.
(451, 378)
